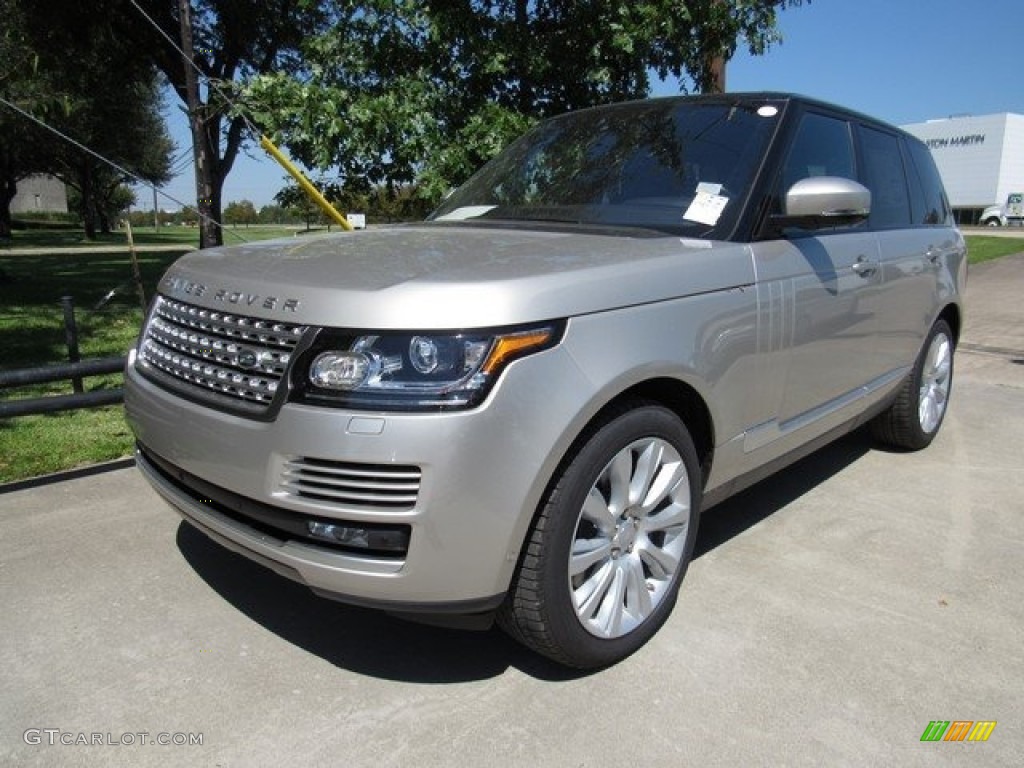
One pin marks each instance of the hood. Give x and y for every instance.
(436, 277)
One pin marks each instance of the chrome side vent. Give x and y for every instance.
(367, 486)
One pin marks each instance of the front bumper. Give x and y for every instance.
(483, 472)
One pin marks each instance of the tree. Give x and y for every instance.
(106, 100)
(108, 208)
(229, 41)
(23, 151)
(298, 205)
(242, 212)
(403, 92)
(125, 126)
(188, 216)
(273, 214)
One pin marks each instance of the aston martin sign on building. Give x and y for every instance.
(981, 158)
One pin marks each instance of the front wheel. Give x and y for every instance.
(914, 418)
(993, 222)
(611, 542)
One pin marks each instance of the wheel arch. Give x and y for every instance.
(683, 400)
(951, 313)
(674, 394)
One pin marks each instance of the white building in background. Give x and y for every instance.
(981, 158)
(40, 194)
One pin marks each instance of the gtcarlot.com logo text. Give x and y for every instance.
(53, 737)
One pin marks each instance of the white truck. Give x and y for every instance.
(1011, 214)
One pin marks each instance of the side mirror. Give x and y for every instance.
(824, 201)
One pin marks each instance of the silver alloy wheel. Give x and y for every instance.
(935, 382)
(630, 538)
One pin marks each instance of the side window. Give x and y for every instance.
(919, 213)
(822, 147)
(883, 171)
(936, 209)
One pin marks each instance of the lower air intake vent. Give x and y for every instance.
(367, 486)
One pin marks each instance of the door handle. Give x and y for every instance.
(933, 254)
(865, 268)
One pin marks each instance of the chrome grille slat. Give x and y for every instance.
(230, 326)
(200, 347)
(327, 481)
(350, 484)
(355, 475)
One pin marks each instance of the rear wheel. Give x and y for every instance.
(913, 420)
(609, 547)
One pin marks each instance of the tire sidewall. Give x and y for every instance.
(565, 503)
(920, 437)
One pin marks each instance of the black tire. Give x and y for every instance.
(905, 424)
(541, 609)
(992, 221)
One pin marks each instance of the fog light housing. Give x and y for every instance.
(376, 538)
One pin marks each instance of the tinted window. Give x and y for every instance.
(663, 164)
(883, 171)
(936, 209)
(822, 147)
(919, 213)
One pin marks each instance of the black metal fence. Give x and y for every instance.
(74, 370)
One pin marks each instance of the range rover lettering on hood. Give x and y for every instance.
(181, 286)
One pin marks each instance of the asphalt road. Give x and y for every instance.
(834, 611)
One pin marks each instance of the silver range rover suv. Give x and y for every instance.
(519, 408)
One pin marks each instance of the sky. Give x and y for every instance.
(904, 61)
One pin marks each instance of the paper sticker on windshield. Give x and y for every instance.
(466, 212)
(709, 187)
(706, 208)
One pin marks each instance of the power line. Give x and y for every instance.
(138, 179)
(210, 83)
(181, 165)
(266, 143)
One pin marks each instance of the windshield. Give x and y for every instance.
(676, 165)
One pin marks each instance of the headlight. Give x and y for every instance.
(413, 371)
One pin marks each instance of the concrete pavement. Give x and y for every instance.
(833, 612)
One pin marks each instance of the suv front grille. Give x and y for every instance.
(243, 358)
(390, 487)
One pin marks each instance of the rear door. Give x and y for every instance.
(908, 215)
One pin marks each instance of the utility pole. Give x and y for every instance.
(208, 234)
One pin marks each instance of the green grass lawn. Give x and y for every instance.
(31, 333)
(985, 248)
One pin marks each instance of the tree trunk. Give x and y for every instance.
(716, 75)
(8, 188)
(207, 193)
(715, 59)
(88, 195)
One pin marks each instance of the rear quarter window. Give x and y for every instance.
(936, 209)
